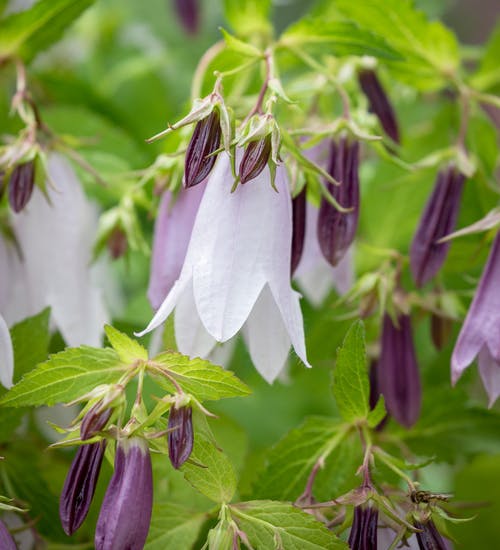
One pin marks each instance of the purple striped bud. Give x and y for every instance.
(204, 141)
(126, 509)
(94, 421)
(363, 534)
(438, 220)
(336, 230)
(298, 229)
(117, 243)
(180, 435)
(79, 486)
(188, 12)
(440, 330)
(398, 375)
(6, 540)
(21, 184)
(428, 537)
(379, 102)
(255, 158)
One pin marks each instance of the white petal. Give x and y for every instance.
(222, 354)
(6, 355)
(56, 240)
(489, 369)
(190, 334)
(173, 229)
(267, 337)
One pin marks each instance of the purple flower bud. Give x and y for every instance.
(440, 330)
(204, 141)
(298, 228)
(438, 220)
(93, 422)
(379, 102)
(398, 375)
(180, 436)
(254, 158)
(126, 509)
(21, 184)
(117, 243)
(79, 486)
(428, 537)
(336, 230)
(188, 12)
(6, 540)
(363, 534)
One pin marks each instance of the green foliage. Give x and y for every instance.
(128, 350)
(487, 76)
(248, 17)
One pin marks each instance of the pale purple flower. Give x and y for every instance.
(237, 269)
(480, 333)
(55, 239)
(6, 540)
(6, 355)
(127, 506)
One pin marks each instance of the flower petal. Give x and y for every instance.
(6, 355)
(489, 369)
(267, 337)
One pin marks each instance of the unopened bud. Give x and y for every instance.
(94, 421)
(440, 330)
(363, 534)
(188, 12)
(199, 155)
(255, 158)
(428, 537)
(117, 243)
(336, 230)
(298, 229)
(21, 184)
(180, 435)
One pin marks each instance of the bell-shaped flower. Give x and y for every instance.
(6, 355)
(480, 333)
(237, 271)
(127, 506)
(398, 376)
(363, 535)
(428, 537)
(52, 265)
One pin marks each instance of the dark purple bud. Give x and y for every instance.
(117, 243)
(188, 12)
(379, 102)
(428, 537)
(438, 220)
(79, 486)
(336, 230)
(255, 158)
(6, 540)
(440, 330)
(126, 509)
(204, 141)
(363, 534)
(21, 184)
(94, 421)
(180, 436)
(397, 374)
(298, 229)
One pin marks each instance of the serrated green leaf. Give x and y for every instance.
(213, 474)
(248, 17)
(65, 376)
(340, 38)
(29, 32)
(239, 46)
(201, 378)
(269, 524)
(128, 349)
(173, 527)
(351, 387)
(291, 460)
(376, 415)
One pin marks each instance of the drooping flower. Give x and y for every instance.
(336, 230)
(379, 102)
(79, 486)
(397, 371)
(6, 540)
(428, 537)
(6, 355)
(363, 535)
(127, 506)
(237, 270)
(480, 333)
(438, 220)
(180, 435)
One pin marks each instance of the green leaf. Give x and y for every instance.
(29, 32)
(376, 415)
(248, 17)
(351, 387)
(339, 38)
(173, 527)
(66, 376)
(199, 377)
(291, 460)
(279, 525)
(488, 74)
(210, 471)
(238, 46)
(128, 349)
